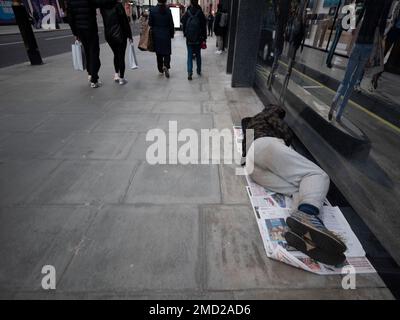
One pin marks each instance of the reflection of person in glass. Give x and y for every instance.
(375, 15)
(37, 13)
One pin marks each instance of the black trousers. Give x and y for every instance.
(90, 42)
(210, 30)
(119, 57)
(163, 61)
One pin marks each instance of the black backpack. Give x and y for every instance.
(193, 28)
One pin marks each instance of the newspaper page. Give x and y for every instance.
(271, 210)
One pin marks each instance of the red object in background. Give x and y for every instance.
(204, 45)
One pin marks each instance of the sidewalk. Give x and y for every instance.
(13, 29)
(77, 193)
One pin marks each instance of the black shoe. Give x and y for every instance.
(166, 72)
(190, 78)
(199, 73)
(310, 249)
(313, 229)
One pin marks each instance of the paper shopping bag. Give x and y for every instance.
(78, 56)
(132, 57)
(146, 40)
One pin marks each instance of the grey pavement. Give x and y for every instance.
(77, 193)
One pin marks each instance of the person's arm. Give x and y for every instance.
(171, 24)
(71, 18)
(184, 22)
(203, 23)
(124, 21)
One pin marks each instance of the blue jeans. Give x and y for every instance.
(355, 68)
(193, 49)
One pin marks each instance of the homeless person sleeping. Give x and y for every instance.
(281, 169)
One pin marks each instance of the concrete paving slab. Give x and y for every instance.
(20, 178)
(121, 106)
(39, 145)
(97, 145)
(232, 185)
(69, 123)
(126, 122)
(202, 121)
(236, 259)
(85, 182)
(181, 107)
(32, 237)
(21, 122)
(175, 184)
(138, 248)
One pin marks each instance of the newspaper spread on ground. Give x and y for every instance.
(271, 210)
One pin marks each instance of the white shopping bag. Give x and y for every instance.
(132, 57)
(78, 56)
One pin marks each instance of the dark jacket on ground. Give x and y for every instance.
(268, 123)
(203, 22)
(218, 30)
(82, 16)
(375, 15)
(162, 25)
(116, 24)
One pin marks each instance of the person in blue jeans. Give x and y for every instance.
(194, 25)
(375, 16)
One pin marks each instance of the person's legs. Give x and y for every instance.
(365, 53)
(160, 63)
(351, 66)
(94, 57)
(121, 58)
(198, 58)
(190, 59)
(115, 51)
(167, 61)
(220, 43)
(287, 172)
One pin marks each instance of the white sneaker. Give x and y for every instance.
(95, 84)
(219, 52)
(122, 81)
(116, 78)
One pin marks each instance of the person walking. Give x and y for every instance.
(375, 16)
(162, 25)
(220, 24)
(210, 24)
(116, 31)
(143, 21)
(194, 25)
(83, 23)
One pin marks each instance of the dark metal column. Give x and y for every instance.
(232, 34)
(247, 42)
(25, 27)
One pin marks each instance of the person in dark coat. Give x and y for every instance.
(116, 31)
(162, 25)
(83, 23)
(218, 30)
(210, 24)
(194, 25)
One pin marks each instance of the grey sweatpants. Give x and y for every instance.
(283, 170)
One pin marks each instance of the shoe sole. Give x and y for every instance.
(321, 239)
(332, 259)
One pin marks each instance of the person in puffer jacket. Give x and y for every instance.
(117, 31)
(83, 23)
